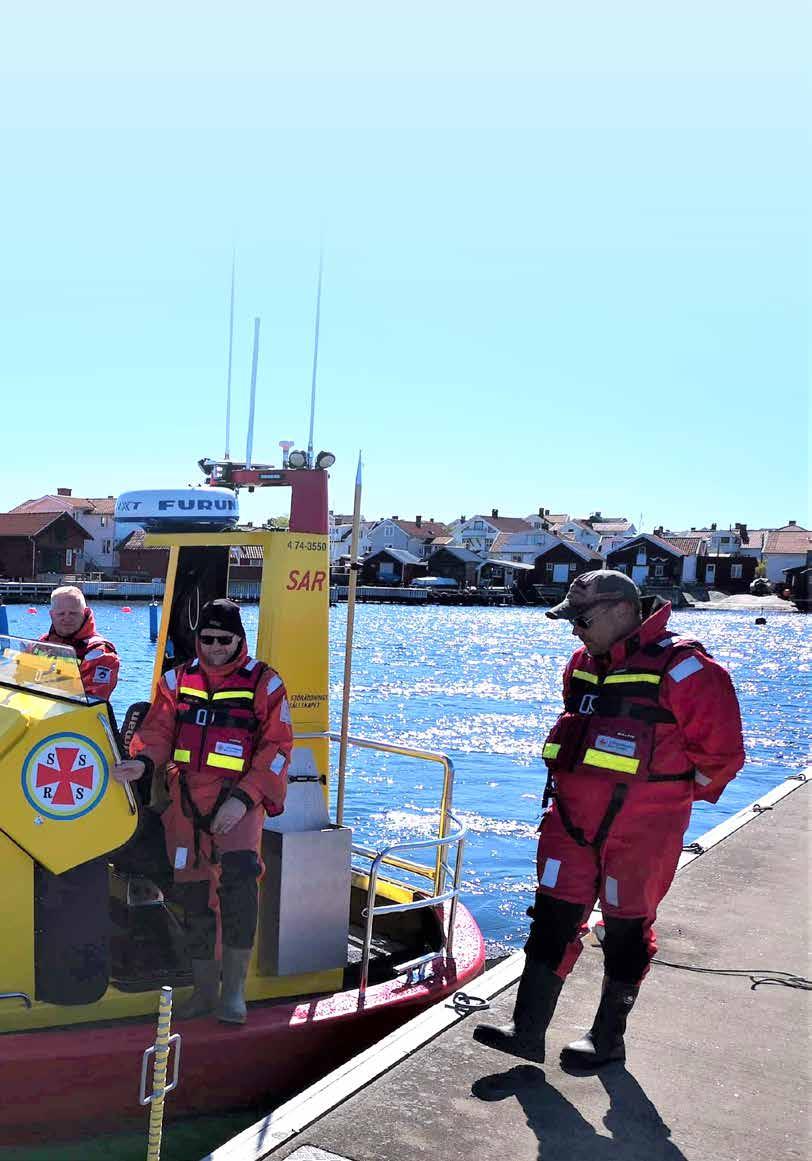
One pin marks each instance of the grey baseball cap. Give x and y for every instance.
(594, 588)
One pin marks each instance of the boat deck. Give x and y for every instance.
(717, 1069)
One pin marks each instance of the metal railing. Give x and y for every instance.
(438, 876)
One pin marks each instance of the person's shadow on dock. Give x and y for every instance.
(638, 1132)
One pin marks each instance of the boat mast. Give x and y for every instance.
(254, 359)
(315, 361)
(345, 697)
(227, 455)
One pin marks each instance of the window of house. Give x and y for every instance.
(621, 567)
(549, 566)
(103, 521)
(659, 570)
(641, 556)
(68, 557)
(516, 556)
(735, 572)
(107, 546)
(573, 566)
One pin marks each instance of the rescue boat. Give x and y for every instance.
(352, 941)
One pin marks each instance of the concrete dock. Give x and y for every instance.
(718, 1064)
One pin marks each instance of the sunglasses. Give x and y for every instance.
(585, 622)
(217, 639)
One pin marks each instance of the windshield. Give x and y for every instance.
(39, 667)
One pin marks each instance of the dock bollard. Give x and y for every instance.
(153, 621)
(160, 1050)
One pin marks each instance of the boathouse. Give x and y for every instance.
(392, 566)
(40, 545)
(136, 561)
(457, 564)
(650, 561)
(555, 569)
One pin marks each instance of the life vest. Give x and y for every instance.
(216, 731)
(613, 725)
(84, 648)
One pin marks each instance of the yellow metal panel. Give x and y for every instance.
(57, 799)
(163, 629)
(16, 922)
(293, 630)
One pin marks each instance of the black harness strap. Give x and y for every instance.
(223, 718)
(619, 793)
(200, 821)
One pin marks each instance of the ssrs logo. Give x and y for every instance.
(65, 776)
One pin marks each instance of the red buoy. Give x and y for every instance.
(126, 609)
(32, 610)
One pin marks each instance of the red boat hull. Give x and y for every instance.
(84, 1080)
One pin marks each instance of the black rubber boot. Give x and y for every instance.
(203, 1000)
(539, 989)
(604, 1042)
(232, 1008)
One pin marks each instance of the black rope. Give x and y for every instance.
(694, 849)
(759, 809)
(757, 976)
(462, 1003)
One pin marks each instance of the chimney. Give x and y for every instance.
(64, 491)
(693, 529)
(494, 511)
(658, 531)
(418, 520)
(792, 523)
(713, 526)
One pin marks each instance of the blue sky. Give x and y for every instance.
(566, 251)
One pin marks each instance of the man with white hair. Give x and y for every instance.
(72, 624)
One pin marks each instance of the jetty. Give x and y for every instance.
(718, 1045)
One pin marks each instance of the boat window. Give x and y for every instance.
(40, 667)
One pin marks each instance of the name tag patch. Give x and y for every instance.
(623, 746)
(101, 674)
(230, 749)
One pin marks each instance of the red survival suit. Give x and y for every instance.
(225, 732)
(645, 730)
(98, 660)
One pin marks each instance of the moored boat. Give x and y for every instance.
(351, 941)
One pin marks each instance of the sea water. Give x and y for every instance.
(483, 686)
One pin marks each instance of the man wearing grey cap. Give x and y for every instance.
(650, 723)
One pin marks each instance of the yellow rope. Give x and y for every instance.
(156, 1108)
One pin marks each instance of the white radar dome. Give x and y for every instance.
(164, 509)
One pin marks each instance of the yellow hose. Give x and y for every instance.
(156, 1108)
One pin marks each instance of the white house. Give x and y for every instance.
(95, 515)
(416, 536)
(495, 535)
(340, 531)
(581, 532)
(786, 547)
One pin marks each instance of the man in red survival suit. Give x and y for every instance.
(222, 723)
(650, 724)
(72, 624)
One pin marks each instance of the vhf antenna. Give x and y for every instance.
(227, 455)
(254, 359)
(315, 360)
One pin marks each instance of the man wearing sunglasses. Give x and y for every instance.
(650, 724)
(221, 725)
